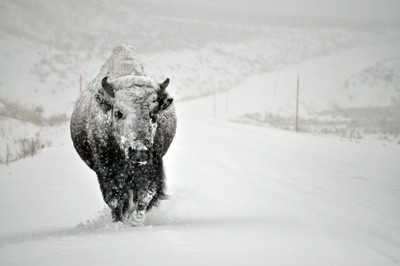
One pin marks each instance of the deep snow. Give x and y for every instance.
(238, 195)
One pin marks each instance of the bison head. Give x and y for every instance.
(133, 105)
(135, 102)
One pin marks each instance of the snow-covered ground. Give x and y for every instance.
(239, 194)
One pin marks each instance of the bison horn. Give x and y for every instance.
(107, 87)
(164, 85)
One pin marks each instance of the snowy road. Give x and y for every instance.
(238, 195)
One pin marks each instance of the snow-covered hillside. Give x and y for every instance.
(201, 48)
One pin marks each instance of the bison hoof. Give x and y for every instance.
(136, 218)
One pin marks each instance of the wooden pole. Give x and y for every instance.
(297, 105)
(215, 104)
(227, 102)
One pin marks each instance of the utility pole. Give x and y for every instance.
(215, 104)
(227, 102)
(297, 105)
(80, 83)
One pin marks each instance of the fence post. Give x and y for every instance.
(227, 102)
(297, 106)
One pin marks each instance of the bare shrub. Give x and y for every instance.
(29, 147)
(8, 156)
(55, 120)
(33, 114)
(14, 109)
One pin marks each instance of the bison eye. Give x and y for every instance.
(118, 114)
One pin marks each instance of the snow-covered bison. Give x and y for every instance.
(122, 125)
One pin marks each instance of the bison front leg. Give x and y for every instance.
(116, 198)
(138, 206)
(118, 206)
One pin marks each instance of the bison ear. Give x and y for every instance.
(107, 87)
(163, 98)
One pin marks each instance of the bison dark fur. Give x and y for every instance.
(122, 125)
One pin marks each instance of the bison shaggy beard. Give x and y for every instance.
(132, 188)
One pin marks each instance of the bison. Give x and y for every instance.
(122, 125)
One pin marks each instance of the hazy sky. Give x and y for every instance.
(359, 9)
(350, 9)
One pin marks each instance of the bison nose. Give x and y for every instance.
(138, 156)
